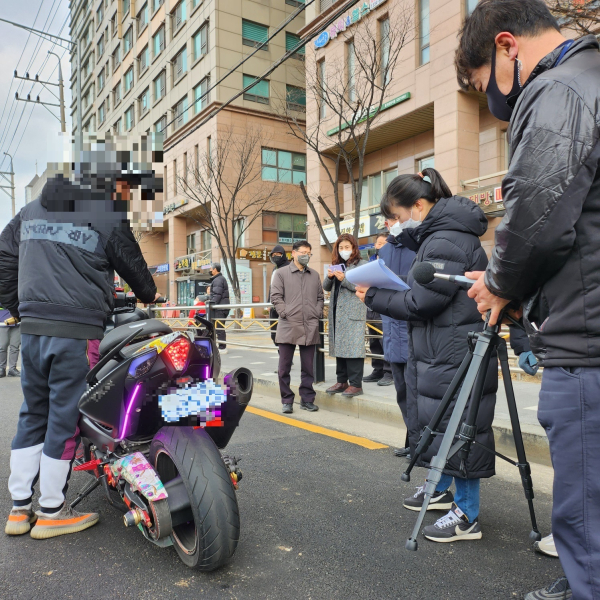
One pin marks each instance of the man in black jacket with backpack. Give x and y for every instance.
(547, 252)
(57, 263)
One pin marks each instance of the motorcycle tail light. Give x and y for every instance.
(142, 364)
(177, 352)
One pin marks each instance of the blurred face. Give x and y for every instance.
(380, 242)
(276, 255)
(123, 191)
(419, 211)
(345, 245)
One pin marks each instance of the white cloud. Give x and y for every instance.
(40, 141)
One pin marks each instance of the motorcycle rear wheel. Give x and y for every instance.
(209, 540)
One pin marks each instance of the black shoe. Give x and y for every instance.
(453, 527)
(386, 380)
(287, 408)
(309, 406)
(374, 376)
(2, 373)
(439, 501)
(14, 372)
(559, 590)
(401, 452)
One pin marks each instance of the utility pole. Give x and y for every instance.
(10, 187)
(45, 104)
(61, 93)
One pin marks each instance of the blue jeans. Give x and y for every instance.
(467, 494)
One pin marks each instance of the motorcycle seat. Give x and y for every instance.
(117, 335)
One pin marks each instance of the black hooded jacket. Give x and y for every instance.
(547, 251)
(440, 316)
(57, 262)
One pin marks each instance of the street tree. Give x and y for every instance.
(349, 97)
(226, 183)
(580, 16)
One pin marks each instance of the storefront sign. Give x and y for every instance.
(353, 17)
(174, 206)
(362, 117)
(248, 254)
(183, 263)
(489, 198)
(200, 264)
(377, 224)
(158, 269)
(347, 226)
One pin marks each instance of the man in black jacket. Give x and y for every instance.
(57, 263)
(547, 248)
(219, 294)
(279, 259)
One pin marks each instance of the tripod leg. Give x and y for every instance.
(438, 463)
(522, 464)
(427, 435)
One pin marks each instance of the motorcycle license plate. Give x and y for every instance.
(204, 400)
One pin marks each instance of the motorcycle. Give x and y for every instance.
(153, 421)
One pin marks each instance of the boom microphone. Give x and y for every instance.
(424, 273)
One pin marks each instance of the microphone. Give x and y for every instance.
(424, 273)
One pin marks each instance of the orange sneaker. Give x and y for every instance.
(66, 521)
(19, 521)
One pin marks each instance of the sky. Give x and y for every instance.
(30, 133)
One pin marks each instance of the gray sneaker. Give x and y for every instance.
(546, 546)
(439, 500)
(559, 590)
(454, 527)
(66, 521)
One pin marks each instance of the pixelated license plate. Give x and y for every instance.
(204, 400)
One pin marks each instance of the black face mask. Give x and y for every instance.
(497, 101)
(278, 260)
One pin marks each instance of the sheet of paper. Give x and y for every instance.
(376, 274)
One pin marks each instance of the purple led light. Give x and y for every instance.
(126, 420)
(206, 371)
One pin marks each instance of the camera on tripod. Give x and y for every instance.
(466, 389)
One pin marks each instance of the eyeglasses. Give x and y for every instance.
(303, 253)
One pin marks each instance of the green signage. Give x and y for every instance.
(373, 111)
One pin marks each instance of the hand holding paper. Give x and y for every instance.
(376, 274)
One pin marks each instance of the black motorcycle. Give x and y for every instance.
(153, 422)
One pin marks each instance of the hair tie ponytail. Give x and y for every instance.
(424, 178)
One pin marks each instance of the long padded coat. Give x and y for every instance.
(440, 316)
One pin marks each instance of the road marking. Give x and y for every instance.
(531, 407)
(352, 439)
(232, 357)
(268, 374)
(257, 363)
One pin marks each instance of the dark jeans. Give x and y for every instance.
(307, 378)
(569, 411)
(381, 367)
(350, 370)
(400, 385)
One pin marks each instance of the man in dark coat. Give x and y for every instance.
(57, 263)
(279, 259)
(548, 246)
(219, 294)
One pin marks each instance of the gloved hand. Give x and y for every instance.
(528, 362)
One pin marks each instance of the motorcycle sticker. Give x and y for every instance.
(138, 472)
(203, 399)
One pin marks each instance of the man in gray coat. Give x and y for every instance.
(297, 295)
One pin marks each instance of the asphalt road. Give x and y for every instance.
(321, 519)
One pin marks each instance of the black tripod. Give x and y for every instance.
(471, 375)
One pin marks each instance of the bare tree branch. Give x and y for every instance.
(581, 16)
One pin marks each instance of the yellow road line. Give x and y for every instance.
(352, 439)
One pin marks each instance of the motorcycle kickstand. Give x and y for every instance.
(86, 492)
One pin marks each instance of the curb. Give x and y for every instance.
(372, 410)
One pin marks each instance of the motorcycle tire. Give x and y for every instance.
(209, 540)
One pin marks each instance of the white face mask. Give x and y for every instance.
(411, 223)
(396, 228)
(345, 254)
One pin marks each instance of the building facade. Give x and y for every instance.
(160, 66)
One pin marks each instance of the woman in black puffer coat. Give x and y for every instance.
(444, 230)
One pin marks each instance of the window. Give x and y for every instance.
(180, 65)
(175, 176)
(85, 70)
(159, 127)
(116, 58)
(205, 241)
(179, 15)
(291, 41)
(200, 41)
(295, 98)
(156, 4)
(117, 94)
(129, 79)
(238, 233)
(470, 6)
(254, 34)
(100, 14)
(201, 95)
(127, 41)
(195, 3)
(351, 70)
(117, 126)
(144, 59)
(295, 3)
(101, 80)
(321, 89)
(282, 228)
(113, 25)
(101, 46)
(191, 243)
(424, 31)
(145, 102)
(129, 119)
(258, 92)
(185, 167)
(142, 18)
(160, 85)
(283, 166)
(158, 41)
(426, 163)
(180, 113)
(126, 4)
(101, 113)
(384, 27)
(372, 189)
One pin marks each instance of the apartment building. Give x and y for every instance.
(160, 65)
(425, 121)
